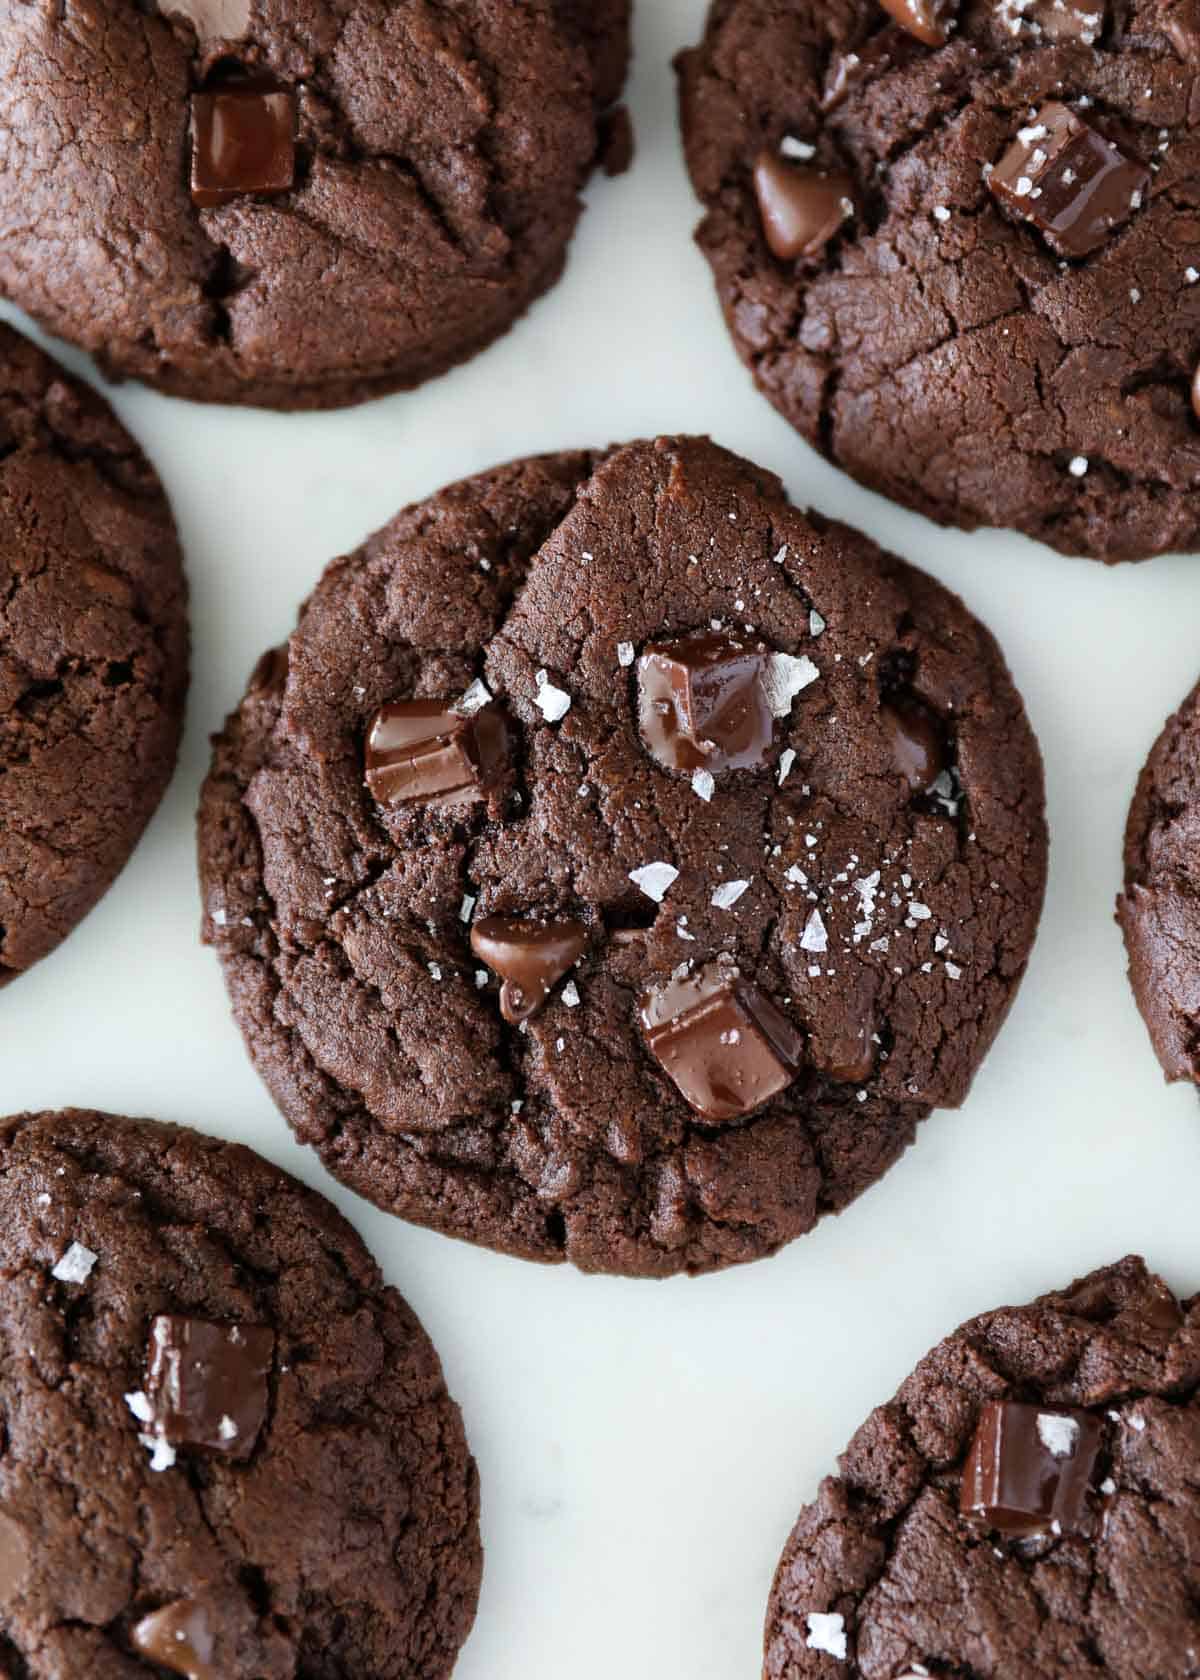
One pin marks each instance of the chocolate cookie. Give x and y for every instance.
(1159, 909)
(1026, 1506)
(228, 1447)
(617, 862)
(93, 650)
(296, 203)
(959, 246)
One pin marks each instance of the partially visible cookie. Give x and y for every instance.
(228, 1447)
(1026, 1508)
(618, 862)
(93, 650)
(1159, 908)
(296, 203)
(957, 245)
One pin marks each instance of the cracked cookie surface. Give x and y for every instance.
(93, 650)
(1159, 908)
(936, 347)
(440, 147)
(342, 1541)
(883, 1577)
(890, 926)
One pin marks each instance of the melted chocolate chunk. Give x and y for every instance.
(1196, 392)
(1068, 181)
(924, 19)
(207, 1383)
(424, 751)
(529, 957)
(702, 704)
(801, 208)
(243, 141)
(1030, 1468)
(918, 750)
(178, 1637)
(722, 1041)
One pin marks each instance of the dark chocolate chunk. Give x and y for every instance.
(178, 1637)
(424, 750)
(207, 1383)
(801, 208)
(243, 141)
(1069, 181)
(1029, 1468)
(925, 19)
(721, 1040)
(529, 957)
(917, 747)
(1196, 391)
(702, 704)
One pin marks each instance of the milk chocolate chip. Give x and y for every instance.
(702, 704)
(530, 958)
(178, 1637)
(801, 208)
(721, 1040)
(1069, 181)
(1030, 1468)
(207, 1383)
(243, 141)
(424, 751)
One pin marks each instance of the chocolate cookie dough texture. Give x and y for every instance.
(298, 205)
(958, 244)
(229, 1453)
(93, 650)
(1159, 908)
(617, 862)
(1025, 1506)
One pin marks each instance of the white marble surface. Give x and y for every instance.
(645, 1447)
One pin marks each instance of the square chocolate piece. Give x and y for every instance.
(702, 704)
(206, 1383)
(1069, 181)
(1030, 1468)
(243, 142)
(722, 1042)
(423, 751)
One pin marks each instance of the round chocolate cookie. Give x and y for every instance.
(1026, 1508)
(297, 203)
(228, 1447)
(1159, 909)
(618, 862)
(93, 650)
(958, 247)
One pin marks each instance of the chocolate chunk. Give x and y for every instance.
(178, 1637)
(213, 20)
(926, 19)
(243, 141)
(801, 208)
(207, 1383)
(918, 750)
(1030, 1468)
(702, 704)
(530, 958)
(1069, 181)
(1196, 391)
(424, 750)
(721, 1040)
